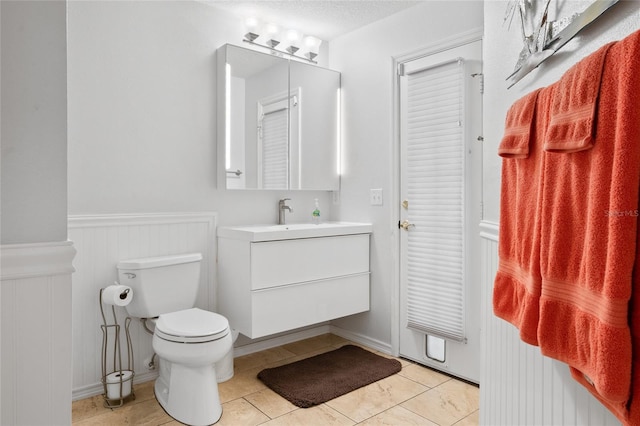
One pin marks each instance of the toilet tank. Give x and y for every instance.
(161, 284)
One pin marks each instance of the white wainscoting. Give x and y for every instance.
(519, 386)
(102, 241)
(36, 333)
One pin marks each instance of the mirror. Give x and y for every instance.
(278, 122)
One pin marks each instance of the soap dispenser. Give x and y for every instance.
(315, 216)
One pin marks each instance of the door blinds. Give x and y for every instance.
(435, 188)
(275, 150)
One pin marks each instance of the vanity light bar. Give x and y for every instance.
(293, 55)
(288, 40)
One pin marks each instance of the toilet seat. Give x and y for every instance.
(191, 326)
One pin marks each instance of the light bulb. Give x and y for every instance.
(312, 45)
(251, 29)
(293, 40)
(251, 24)
(272, 35)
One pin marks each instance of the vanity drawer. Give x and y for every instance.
(284, 308)
(277, 263)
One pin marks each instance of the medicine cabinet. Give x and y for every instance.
(278, 122)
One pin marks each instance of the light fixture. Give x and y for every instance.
(312, 45)
(293, 40)
(251, 28)
(289, 42)
(273, 35)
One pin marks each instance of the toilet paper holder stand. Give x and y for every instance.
(117, 374)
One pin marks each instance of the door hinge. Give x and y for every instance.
(480, 76)
(401, 69)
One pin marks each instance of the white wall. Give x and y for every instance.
(142, 113)
(519, 386)
(34, 122)
(35, 271)
(365, 57)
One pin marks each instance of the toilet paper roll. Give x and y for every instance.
(119, 295)
(113, 384)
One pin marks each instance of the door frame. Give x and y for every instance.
(429, 49)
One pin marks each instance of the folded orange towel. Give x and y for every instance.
(516, 290)
(589, 215)
(573, 112)
(518, 127)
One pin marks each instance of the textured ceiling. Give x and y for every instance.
(324, 19)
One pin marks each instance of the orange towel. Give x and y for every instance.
(628, 412)
(589, 215)
(516, 289)
(518, 127)
(573, 113)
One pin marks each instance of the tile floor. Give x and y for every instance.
(414, 396)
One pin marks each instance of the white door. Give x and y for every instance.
(440, 211)
(278, 135)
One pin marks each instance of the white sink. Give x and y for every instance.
(292, 231)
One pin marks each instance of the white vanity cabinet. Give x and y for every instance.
(277, 278)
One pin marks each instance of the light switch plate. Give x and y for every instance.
(376, 197)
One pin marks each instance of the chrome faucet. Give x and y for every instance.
(282, 206)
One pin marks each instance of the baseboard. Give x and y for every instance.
(362, 339)
(97, 388)
(280, 340)
(308, 333)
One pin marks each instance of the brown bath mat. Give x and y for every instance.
(318, 379)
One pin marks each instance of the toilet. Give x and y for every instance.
(189, 341)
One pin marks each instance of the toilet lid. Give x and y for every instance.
(191, 326)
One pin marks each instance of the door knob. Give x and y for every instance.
(405, 224)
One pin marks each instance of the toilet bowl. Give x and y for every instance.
(189, 343)
(224, 367)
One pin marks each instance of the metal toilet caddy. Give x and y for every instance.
(117, 379)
